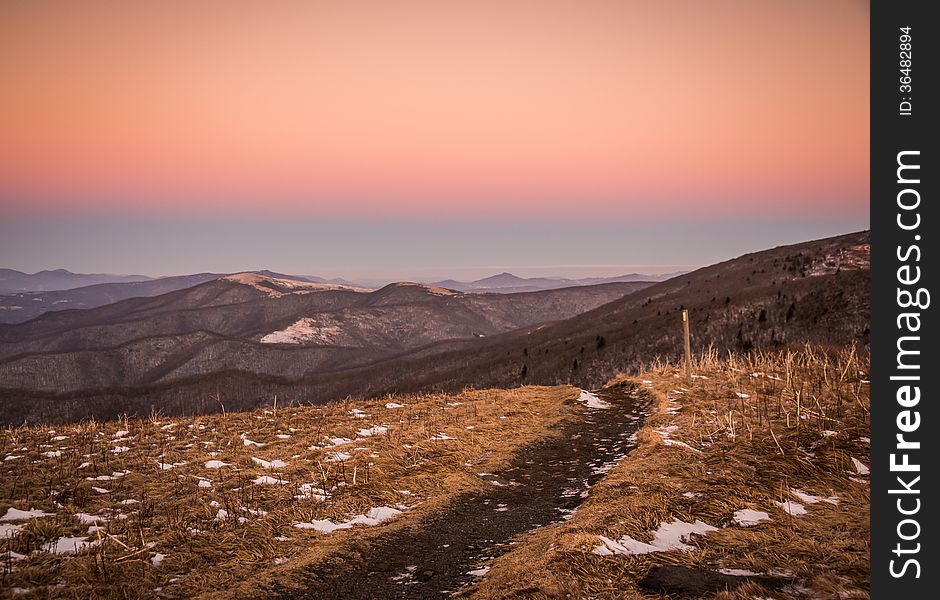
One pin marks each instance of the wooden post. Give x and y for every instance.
(688, 346)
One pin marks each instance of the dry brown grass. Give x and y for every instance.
(212, 555)
(803, 421)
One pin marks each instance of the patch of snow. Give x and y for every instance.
(441, 436)
(669, 536)
(394, 405)
(8, 530)
(69, 545)
(247, 442)
(265, 480)
(265, 464)
(305, 330)
(323, 526)
(374, 516)
(592, 401)
(738, 572)
(747, 517)
(157, 559)
(479, 572)
(374, 430)
(794, 509)
(670, 442)
(111, 477)
(811, 499)
(216, 464)
(87, 519)
(310, 491)
(860, 467)
(15, 514)
(169, 466)
(337, 457)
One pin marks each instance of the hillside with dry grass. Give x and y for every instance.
(749, 481)
(765, 457)
(205, 505)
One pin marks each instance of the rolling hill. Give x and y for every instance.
(263, 326)
(429, 339)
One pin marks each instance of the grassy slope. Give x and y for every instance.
(745, 453)
(211, 554)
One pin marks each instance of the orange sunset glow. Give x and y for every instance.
(431, 107)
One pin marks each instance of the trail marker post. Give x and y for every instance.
(688, 346)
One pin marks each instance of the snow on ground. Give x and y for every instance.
(87, 519)
(373, 516)
(69, 545)
(216, 464)
(111, 477)
(860, 467)
(669, 536)
(794, 509)
(247, 442)
(266, 480)
(592, 401)
(302, 331)
(394, 405)
(747, 517)
(441, 436)
(15, 514)
(670, 442)
(323, 526)
(337, 457)
(310, 490)
(170, 466)
(8, 530)
(374, 430)
(738, 572)
(811, 499)
(266, 464)
(479, 572)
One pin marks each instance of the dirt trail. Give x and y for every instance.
(545, 483)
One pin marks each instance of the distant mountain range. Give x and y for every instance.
(59, 279)
(507, 283)
(241, 339)
(24, 297)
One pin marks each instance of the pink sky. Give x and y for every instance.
(434, 108)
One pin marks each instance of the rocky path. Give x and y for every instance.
(545, 483)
